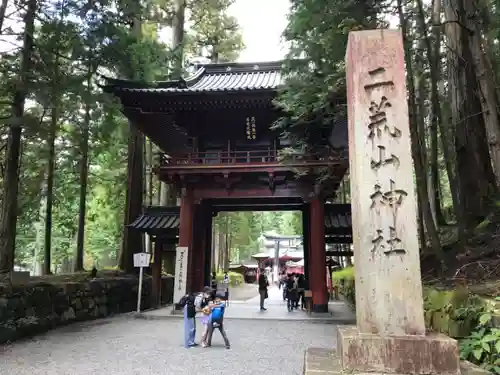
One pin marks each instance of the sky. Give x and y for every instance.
(262, 23)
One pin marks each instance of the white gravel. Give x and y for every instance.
(123, 346)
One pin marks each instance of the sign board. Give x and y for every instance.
(181, 265)
(142, 259)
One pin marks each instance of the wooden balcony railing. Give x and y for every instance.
(247, 157)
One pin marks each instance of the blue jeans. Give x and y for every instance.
(189, 329)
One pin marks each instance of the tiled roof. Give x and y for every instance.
(157, 219)
(226, 77)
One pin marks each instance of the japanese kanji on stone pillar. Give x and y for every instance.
(390, 334)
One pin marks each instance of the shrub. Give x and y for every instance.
(482, 347)
(235, 278)
(344, 280)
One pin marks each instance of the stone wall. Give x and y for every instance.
(36, 307)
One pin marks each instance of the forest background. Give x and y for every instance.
(65, 144)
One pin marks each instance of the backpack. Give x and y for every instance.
(188, 301)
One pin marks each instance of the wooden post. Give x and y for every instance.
(305, 240)
(186, 230)
(390, 332)
(208, 246)
(318, 257)
(156, 273)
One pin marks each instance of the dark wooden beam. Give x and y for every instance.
(339, 253)
(261, 207)
(338, 240)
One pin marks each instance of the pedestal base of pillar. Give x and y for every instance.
(320, 307)
(321, 361)
(431, 354)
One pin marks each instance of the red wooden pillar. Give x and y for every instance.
(186, 230)
(317, 259)
(199, 234)
(207, 250)
(199, 243)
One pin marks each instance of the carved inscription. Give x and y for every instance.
(383, 159)
(388, 243)
(378, 120)
(251, 128)
(181, 271)
(386, 238)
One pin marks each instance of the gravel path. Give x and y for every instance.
(124, 346)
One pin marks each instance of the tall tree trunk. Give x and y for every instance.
(38, 263)
(433, 55)
(8, 220)
(132, 239)
(3, 9)
(84, 174)
(50, 190)
(487, 92)
(54, 119)
(474, 168)
(168, 194)
(421, 179)
(420, 119)
(178, 37)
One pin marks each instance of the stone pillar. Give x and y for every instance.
(317, 258)
(390, 332)
(186, 229)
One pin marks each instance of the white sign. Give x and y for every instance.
(181, 265)
(142, 259)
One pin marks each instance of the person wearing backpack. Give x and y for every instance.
(192, 303)
(217, 321)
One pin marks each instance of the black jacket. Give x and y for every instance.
(263, 284)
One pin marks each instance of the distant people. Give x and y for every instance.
(263, 284)
(291, 292)
(283, 284)
(226, 281)
(302, 286)
(217, 321)
(213, 281)
(213, 284)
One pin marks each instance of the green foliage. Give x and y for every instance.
(346, 273)
(75, 40)
(456, 313)
(314, 94)
(235, 278)
(344, 281)
(483, 345)
(243, 229)
(213, 33)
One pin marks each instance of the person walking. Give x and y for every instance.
(225, 281)
(263, 284)
(213, 284)
(301, 289)
(291, 292)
